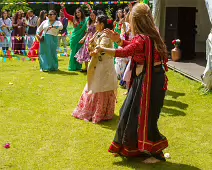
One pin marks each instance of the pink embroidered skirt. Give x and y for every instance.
(96, 107)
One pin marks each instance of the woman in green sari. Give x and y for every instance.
(80, 23)
(118, 23)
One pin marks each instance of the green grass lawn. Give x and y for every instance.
(35, 118)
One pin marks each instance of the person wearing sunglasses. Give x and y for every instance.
(49, 42)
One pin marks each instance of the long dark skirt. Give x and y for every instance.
(126, 139)
(18, 45)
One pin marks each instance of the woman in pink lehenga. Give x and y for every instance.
(97, 102)
(34, 50)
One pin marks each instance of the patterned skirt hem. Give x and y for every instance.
(91, 116)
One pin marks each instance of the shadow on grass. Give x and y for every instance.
(110, 124)
(63, 73)
(174, 95)
(204, 91)
(136, 163)
(176, 104)
(173, 112)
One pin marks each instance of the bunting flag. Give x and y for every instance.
(9, 56)
(26, 38)
(70, 3)
(9, 53)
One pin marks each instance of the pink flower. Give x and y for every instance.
(174, 42)
(7, 146)
(109, 21)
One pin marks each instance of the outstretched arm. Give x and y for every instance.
(128, 50)
(67, 15)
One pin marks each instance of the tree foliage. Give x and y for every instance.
(71, 8)
(15, 7)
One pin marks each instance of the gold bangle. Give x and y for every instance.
(120, 43)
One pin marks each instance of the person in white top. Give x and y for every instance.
(49, 42)
(6, 26)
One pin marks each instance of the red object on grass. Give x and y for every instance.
(34, 51)
(7, 146)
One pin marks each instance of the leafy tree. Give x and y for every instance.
(15, 6)
(71, 8)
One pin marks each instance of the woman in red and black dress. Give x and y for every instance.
(137, 131)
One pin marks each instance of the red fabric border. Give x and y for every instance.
(123, 151)
(143, 143)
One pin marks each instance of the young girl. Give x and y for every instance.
(83, 54)
(120, 63)
(138, 131)
(97, 102)
(126, 34)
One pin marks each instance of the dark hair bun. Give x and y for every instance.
(104, 19)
